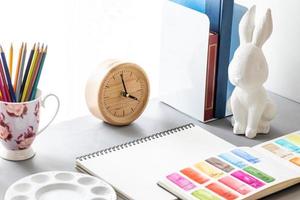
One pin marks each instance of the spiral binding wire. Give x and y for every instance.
(135, 142)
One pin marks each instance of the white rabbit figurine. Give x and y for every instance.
(252, 109)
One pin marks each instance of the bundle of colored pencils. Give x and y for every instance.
(25, 84)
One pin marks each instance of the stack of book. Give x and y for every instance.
(202, 88)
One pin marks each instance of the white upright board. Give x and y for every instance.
(184, 45)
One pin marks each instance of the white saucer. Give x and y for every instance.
(60, 185)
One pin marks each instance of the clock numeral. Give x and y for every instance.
(123, 113)
(132, 109)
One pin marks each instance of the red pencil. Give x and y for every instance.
(5, 93)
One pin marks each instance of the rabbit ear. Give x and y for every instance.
(263, 30)
(246, 26)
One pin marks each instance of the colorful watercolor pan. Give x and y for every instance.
(222, 191)
(194, 175)
(203, 194)
(181, 181)
(287, 147)
(233, 160)
(229, 176)
(235, 185)
(246, 156)
(294, 138)
(259, 174)
(278, 151)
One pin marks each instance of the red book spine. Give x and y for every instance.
(210, 76)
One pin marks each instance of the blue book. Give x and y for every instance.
(226, 13)
(238, 12)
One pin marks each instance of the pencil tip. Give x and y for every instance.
(42, 48)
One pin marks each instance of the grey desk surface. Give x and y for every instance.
(58, 147)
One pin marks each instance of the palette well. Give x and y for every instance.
(60, 185)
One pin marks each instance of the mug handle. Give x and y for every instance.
(57, 108)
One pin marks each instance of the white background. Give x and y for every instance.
(282, 49)
(81, 34)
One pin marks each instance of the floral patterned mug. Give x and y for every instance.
(19, 124)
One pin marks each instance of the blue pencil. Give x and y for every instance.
(7, 74)
(26, 72)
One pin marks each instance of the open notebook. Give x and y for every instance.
(238, 173)
(134, 168)
(192, 163)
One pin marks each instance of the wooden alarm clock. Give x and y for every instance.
(117, 92)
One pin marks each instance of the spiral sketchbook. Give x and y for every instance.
(134, 168)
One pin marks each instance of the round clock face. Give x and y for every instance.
(123, 94)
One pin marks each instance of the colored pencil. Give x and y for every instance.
(10, 87)
(20, 74)
(26, 72)
(34, 72)
(18, 67)
(36, 82)
(4, 91)
(33, 63)
(3, 94)
(11, 58)
(24, 88)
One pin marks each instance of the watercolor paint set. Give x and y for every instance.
(239, 173)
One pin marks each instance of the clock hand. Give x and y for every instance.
(124, 94)
(132, 97)
(123, 83)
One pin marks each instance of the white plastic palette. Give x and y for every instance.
(60, 185)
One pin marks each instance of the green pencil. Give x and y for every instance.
(36, 81)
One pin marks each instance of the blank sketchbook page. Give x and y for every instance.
(135, 170)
